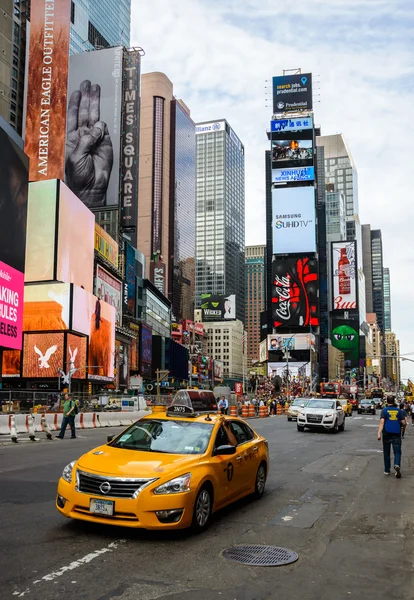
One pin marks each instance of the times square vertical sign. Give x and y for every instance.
(130, 141)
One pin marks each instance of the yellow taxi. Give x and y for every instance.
(169, 470)
(346, 406)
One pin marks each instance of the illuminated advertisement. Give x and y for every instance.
(293, 220)
(345, 338)
(344, 274)
(14, 167)
(75, 244)
(92, 160)
(292, 93)
(158, 274)
(47, 88)
(43, 355)
(11, 307)
(295, 292)
(297, 124)
(289, 372)
(146, 351)
(95, 318)
(130, 280)
(292, 153)
(130, 138)
(11, 363)
(47, 307)
(122, 351)
(297, 341)
(218, 308)
(263, 354)
(109, 289)
(41, 231)
(287, 175)
(218, 369)
(76, 355)
(106, 246)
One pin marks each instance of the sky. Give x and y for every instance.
(221, 56)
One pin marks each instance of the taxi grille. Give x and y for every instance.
(110, 487)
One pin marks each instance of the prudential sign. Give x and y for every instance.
(293, 220)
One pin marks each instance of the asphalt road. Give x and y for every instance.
(327, 499)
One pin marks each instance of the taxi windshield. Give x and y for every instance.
(299, 402)
(170, 437)
(321, 404)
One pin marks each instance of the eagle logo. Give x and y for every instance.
(43, 358)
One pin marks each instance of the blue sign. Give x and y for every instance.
(291, 124)
(299, 174)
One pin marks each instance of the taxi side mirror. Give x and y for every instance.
(224, 450)
(110, 438)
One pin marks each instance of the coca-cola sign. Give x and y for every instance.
(295, 292)
(344, 276)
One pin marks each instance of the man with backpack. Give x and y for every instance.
(70, 410)
(392, 426)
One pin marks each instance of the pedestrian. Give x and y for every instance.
(69, 412)
(404, 410)
(392, 426)
(223, 405)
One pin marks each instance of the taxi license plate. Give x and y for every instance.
(102, 507)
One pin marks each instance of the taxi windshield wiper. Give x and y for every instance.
(126, 447)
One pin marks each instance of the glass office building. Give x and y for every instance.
(220, 222)
(182, 242)
(387, 299)
(97, 24)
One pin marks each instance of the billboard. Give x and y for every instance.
(158, 274)
(47, 88)
(218, 308)
(297, 341)
(106, 246)
(345, 338)
(14, 167)
(292, 93)
(76, 355)
(263, 354)
(47, 307)
(218, 368)
(95, 318)
(75, 243)
(109, 289)
(43, 354)
(294, 220)
(292, 153)
(11, 363)
(287, 175)
(130, 138)
(146, 350)
(92, 159)
(291, 370)
(130, 284)
(297, 124)
(344, 275)
(41, 231)
(295, 292)
(11, 307)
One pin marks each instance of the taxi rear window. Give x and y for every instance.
(169, 437)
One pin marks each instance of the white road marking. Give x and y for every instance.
(287, 518)
(369, 425)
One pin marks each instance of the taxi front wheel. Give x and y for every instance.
(260, 481)
(202, 509)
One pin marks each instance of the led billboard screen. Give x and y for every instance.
(292, 93)
(109, 289)
(146, 350)
(292, 153)
(76, 355)
(282, 176)
(47, 89)
(344, 276)
(218, 308)
(345, 338)
(47, 307)
(11, 307)
(297, 124)
(129, 301)
(11, 363)
(295, 292)
(95, 318)
(92, 160)
(293, 223)
(294, 370)
(297, 341)
(106, 246)
(42, 355)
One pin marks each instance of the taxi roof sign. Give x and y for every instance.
(190, 402)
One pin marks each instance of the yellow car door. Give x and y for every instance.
(248, 455)
(224, 466)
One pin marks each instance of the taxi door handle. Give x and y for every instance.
(238, 458)
(255, 449)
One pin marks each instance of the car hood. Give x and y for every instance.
(295, 408)
(317, 411)
(118, 462)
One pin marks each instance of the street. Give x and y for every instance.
(326, 498)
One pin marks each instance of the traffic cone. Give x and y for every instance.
(13, 432)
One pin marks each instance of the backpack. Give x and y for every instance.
(75, 412)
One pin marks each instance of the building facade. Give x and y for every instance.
(255, 299)
(335, 216)
(375, 361)
(220, 220)
(392, 362)
(97, 24)
(367, 266)
(387, 299)
(225, 344)
(377, 277)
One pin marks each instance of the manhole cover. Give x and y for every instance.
(260, 556)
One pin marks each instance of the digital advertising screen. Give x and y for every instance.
(296, 341)
(109, 289)
(218, 308)
(130, 280)
(76, 355)
(295, 292)
(294, 220)
(106, 246)
(146, 350)
(344, 276)
(47, 307)
(290, 125)
(292, 153)
(283, 176)
(292, 93)
(11, 307)
(11, 363)
(345, 338)
(290, 371)
(43, 355)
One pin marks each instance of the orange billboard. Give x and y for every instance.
(42, 354)
(47, 88)
(10, 365)
(76, 354)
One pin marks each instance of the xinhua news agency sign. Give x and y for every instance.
(292, 93)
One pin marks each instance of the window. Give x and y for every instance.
(72, 12)
(242, 432)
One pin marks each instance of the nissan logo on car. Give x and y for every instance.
(105, 487)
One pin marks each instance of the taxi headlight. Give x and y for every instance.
(175, 486)
(67, 472)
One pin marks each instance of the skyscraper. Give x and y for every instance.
(377, 277)
(387, 299)
(97, 24)
(367, 265)
(220, 206)
(255, 299)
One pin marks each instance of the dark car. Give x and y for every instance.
(366, 406)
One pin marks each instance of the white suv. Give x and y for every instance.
(327, 414)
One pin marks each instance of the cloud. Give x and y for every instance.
(221, 55)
